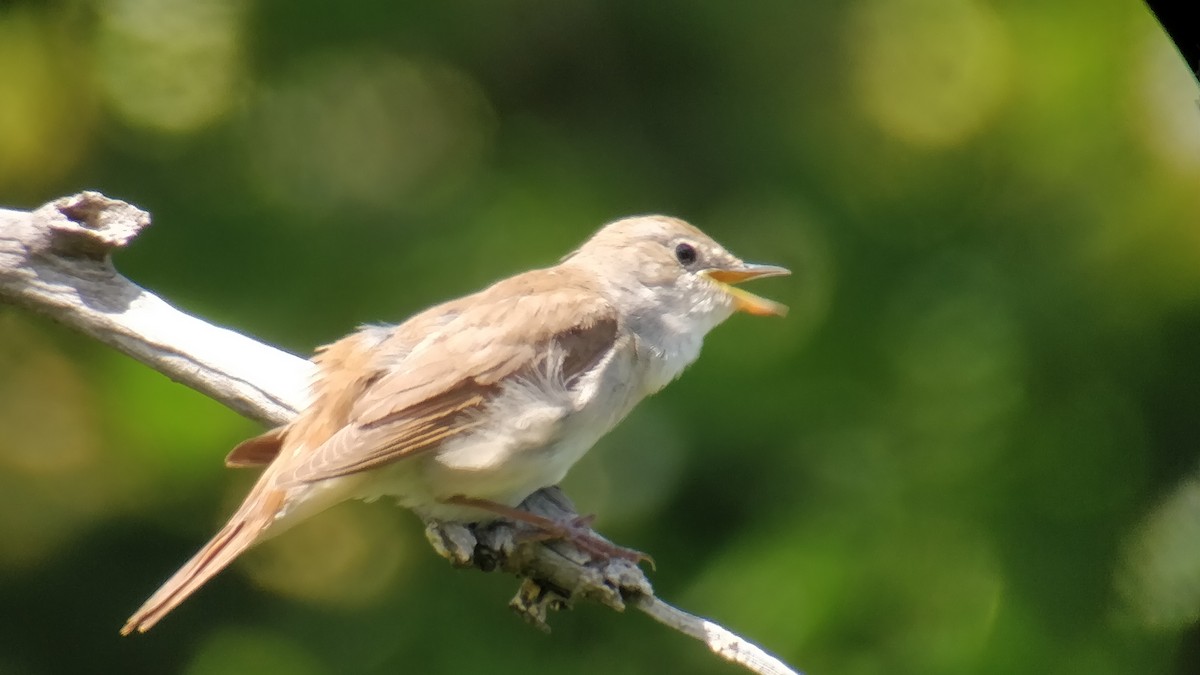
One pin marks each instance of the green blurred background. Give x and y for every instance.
(971, 448)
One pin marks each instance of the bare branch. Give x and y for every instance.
(723, 642)
(56, 261)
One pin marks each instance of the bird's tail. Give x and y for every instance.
(243, 530)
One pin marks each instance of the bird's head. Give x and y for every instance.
(663, 263)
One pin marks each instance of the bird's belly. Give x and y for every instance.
(513, 472)
(527, 440)
(479, 466)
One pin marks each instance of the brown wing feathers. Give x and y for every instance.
(359, 447)
(257, 451)
(420, 404)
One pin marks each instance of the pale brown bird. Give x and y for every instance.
(467, 408)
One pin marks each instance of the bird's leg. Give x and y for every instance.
(576, 530)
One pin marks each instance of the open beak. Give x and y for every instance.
(745, 301)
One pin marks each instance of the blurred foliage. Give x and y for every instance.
(972, 448)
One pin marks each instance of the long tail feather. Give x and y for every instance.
(242, 531)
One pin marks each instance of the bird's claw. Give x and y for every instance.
(578, 532)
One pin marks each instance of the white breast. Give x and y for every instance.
(664, 363)
(528, 437)
(534, 431)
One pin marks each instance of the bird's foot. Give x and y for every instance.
(575, 530)
(578, 532)
(453, 541)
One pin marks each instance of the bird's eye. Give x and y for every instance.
(685, 254)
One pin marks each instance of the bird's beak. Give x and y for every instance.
(745, 301)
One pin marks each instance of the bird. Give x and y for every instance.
(465, 409)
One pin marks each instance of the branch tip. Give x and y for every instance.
(91, 225)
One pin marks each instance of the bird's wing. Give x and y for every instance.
(258, 451)
(453, 360)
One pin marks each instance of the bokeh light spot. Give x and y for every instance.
(1167, 116)
(47, 108)
(45, 407)
(173, 66)
(1160, 579)
(959, 364)
(930, 72)
(53, 478)
(930, 587)
(367, 131)
(344, 556)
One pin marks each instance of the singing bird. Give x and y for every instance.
(467, 408)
